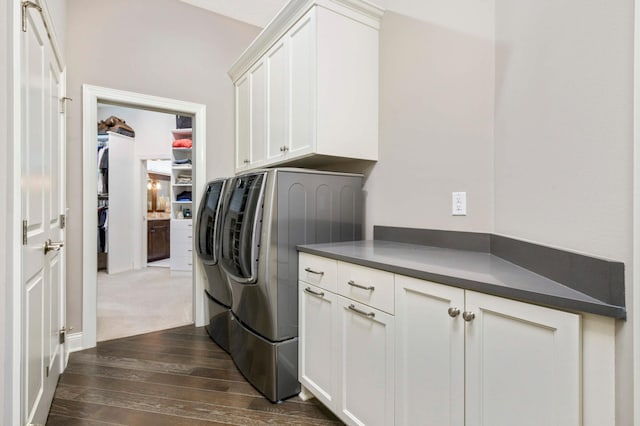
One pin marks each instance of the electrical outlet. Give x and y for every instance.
(459, 203)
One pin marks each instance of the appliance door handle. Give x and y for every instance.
(311, 271)
(364, 287)
(363, 313)
(315, 293)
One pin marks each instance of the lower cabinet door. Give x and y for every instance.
(366, 364)
(522, 364)
(429, 353)
(317, 364)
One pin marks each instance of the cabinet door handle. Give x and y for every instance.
(284, 148)
(246, 161)
(311, 271)
(453, 312)
(468, 316)
(363, 313)
(315, 293)
(364, 287)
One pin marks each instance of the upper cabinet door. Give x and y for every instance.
(522, 363)
(277, 62)
(302, 47)
(319, 61)
(243, 123)
(258, 114)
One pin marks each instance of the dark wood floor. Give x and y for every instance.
(173, 377)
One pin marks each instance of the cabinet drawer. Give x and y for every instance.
(370, 286)
(181, 224)
(181, 263)
(318, 271)
(181, 237)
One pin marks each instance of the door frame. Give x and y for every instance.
(91, 96)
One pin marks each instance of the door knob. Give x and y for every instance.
(52, 246)
(468, 316)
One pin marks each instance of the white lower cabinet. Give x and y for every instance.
(181, 245)
(317, 351)
(467, 358)
(366, 364)
(430, 354)
(522, 364)
(448, 357)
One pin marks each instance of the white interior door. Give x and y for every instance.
(43, 202)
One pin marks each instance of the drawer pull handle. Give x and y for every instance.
(315, 293)
(363, 313)
(364, 287)
(311, 271)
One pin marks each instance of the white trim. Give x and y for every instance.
(91, 95)
(14, 372)
(74, 343)
(635, 282)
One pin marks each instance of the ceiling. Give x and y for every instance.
(255, 12)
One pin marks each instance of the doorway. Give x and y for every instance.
(92, 96)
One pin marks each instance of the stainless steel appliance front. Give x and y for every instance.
(268, 214)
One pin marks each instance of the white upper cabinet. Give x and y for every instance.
(243, 124)
(307, 87)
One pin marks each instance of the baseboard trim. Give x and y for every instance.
(74, 342)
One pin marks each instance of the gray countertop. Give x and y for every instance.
(470, 270)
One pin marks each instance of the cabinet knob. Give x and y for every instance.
(284, 148)
(453, 312)
(468, 316)
(246, 161)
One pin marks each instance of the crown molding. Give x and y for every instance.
(359, 10)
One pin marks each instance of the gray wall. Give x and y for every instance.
(436, 124)
(564, 136)
(156, 47)
(527, 106)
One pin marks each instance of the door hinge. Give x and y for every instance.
(63, 221)
(46, 370)
(63, 104)
(26, 5)
(24, 232)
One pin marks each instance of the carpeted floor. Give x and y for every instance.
(142, 301)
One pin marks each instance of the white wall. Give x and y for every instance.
(436, 120)
(563, 137)
(156, 47)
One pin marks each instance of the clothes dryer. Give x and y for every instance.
(217, 290)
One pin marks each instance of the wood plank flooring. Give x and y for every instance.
(173, 377)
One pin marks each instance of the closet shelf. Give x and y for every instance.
(182, 133)
(181, 184)
(181, 202)
(181, 149)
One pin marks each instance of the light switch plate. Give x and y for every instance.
(459, 203)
